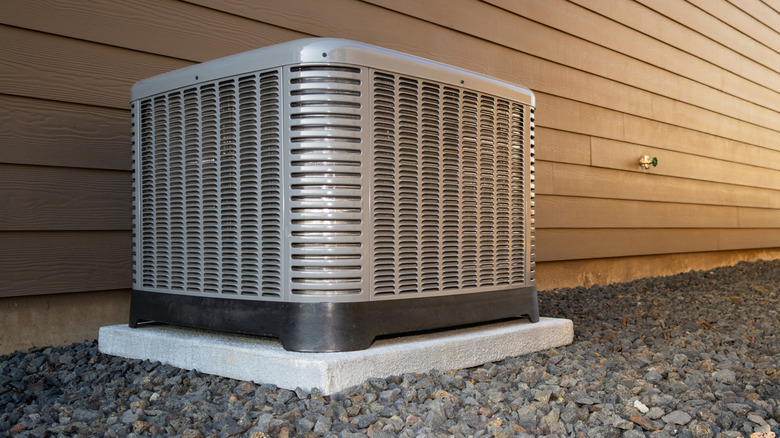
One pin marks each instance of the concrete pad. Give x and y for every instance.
(263, 360)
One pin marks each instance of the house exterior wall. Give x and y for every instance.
(694, 83)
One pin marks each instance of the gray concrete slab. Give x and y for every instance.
(263, 360)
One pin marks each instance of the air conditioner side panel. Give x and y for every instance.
(450, 189)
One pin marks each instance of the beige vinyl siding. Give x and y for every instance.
(695, 83)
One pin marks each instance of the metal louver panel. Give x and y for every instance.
(448, 188)
(326, 187)
(209, 211)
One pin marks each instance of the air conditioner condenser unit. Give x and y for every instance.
(326, 192)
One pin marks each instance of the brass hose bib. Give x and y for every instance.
(645, 161)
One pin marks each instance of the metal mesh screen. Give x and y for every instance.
(448, 188)
(209, 193)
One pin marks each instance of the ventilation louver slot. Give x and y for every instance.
(326, 180)
(448, 188)
(210, 188)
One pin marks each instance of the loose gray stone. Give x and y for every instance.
(587, 400)
(653, 376)
(640, 347)
(322, 426)
(677, 417)
(363, 421)
(633, 433)
(655, 413)
(728, 377)
(738, 408)
(129, 417)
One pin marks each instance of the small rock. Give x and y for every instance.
(284, 396)
(558, 428)
(304, 425)
(646, 423)
(496, 396)
(756, 419)
(641, 407)
(653, 376)
(140, 427)
(552, 416)
(633, 433)
(390, 395)
(394, 424)
(526, 414)
(701, 429)
(363, 421)
(655, 413)
(725, 376)
(738, 408)
(587, 400)
(322, 426)
(542, 395)
(129, 417)
(622, 423)
(677, 417)
(256, 432)
(413, 420)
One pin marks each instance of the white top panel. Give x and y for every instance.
(328, 51)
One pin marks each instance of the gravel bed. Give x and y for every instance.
(690, 355)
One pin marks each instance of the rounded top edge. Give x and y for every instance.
(322, 51)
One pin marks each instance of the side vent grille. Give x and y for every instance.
(210, 188)
(326, 184)
(448, 188)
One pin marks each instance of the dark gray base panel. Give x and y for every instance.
(324, 327)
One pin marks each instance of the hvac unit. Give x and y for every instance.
(327, 192)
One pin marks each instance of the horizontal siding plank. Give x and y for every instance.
(625, 156)
(743, 21)
(581, 212)
(602, 25)
(718, 42)
(670, 58)
(573, 244)
(584, 181)
(61, 262)
(567, 115)
(664, 136)
(50, 198)
(523, 35)
(34, 131)
(578, 212)
(538, 74)
(680, 42)
(561, 146)
(761, 12)
(758, 217)
(55, 68)
(163, 27)
(682, 114)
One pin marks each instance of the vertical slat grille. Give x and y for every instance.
(448, 188)
(209, 164)
(325, 192)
